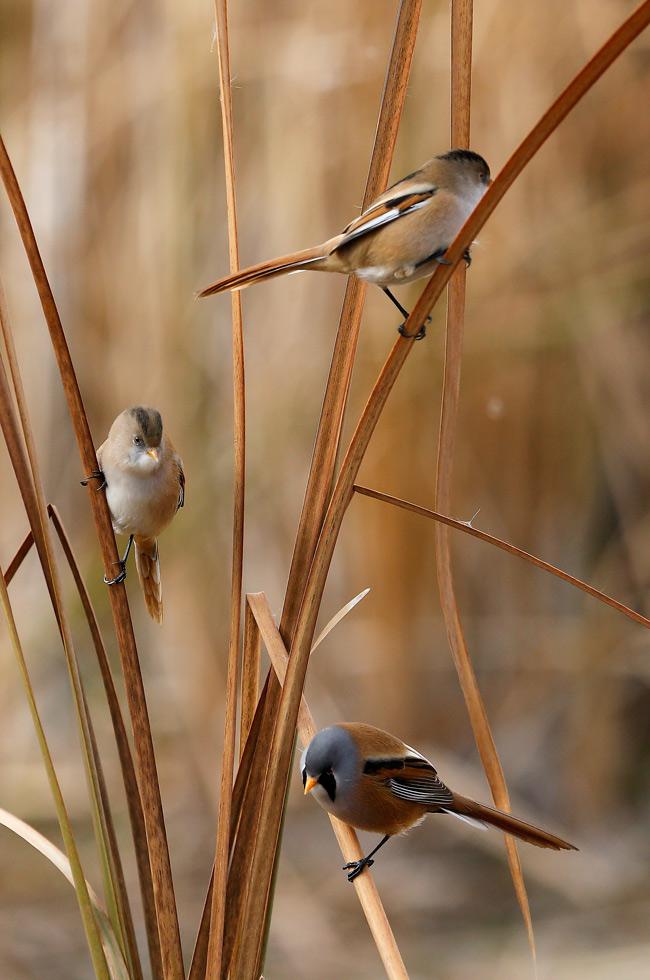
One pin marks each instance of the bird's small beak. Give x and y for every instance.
(309, 785)
(155, 455)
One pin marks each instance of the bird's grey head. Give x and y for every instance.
(330, 760)
(471, 164)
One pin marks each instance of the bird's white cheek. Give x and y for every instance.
(322, 797)
(145, 464)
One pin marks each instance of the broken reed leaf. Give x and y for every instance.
(27, 471)
(278, 755)
(93, 939)
(327, 443)
(166, 915)
(365, 886)
(222, 842)
(461, 84)
(467, 528)
(336, 619)
(56, 857)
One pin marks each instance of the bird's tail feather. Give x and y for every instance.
(464, 807)
(266, 270)
(147, 563)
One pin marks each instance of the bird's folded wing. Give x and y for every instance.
(411, 778)
(394, 204)
(419, 783)
(181, 482)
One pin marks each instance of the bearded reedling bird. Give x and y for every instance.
(145, 486)
(374, 781)
(400, 237)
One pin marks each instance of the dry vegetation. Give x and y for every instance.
(110, 114)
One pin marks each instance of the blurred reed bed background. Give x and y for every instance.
(111, 114)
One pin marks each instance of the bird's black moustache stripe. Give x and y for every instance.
(327, 781)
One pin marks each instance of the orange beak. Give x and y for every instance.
(154, 453)
(309, 785)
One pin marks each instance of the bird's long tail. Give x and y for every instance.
(464, 807)
(267, 270)
(147, 563)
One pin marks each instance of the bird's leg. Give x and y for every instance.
(95, 475)
(468, 258)
(122, 563)
(394, 300)
(365, 862)
(405, 313)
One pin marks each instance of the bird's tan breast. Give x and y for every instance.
(397, 252)
(140, 504)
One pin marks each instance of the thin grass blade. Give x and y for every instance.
(467, 527)
(57, 858)
(85, 905)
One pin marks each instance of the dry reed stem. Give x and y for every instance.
(322, 469)
(250, 685)
(280, 751)
(222, 845)
(461, 83)
(365, 886)
(166, 916)
(511, 549)
(328, 435)
(27, 472)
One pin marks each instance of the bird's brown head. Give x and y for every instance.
(138, 433)
(467, 165)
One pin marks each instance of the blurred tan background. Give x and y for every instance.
(110, 112)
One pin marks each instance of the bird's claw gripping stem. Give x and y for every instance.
(95, 475)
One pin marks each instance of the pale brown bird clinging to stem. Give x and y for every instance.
(400, 237)
(374, 781)
(145, 485)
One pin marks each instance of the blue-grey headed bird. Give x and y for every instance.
(374, 781)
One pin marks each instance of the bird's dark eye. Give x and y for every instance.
(138, 441)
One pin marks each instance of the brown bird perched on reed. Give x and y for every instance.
(374, 781)
(400, 237)
(145, 485)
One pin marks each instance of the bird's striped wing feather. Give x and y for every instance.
(385, 210)
(412, 778)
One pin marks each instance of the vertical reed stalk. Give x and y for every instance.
(222, 846)
(461, 82)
